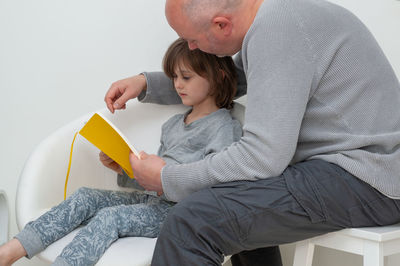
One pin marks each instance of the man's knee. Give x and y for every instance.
(201, 205)
(196, 218)
(199, 224)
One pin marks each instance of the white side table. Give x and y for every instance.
(3, 217)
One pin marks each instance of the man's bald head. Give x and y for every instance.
(201, 12)
(213, 26)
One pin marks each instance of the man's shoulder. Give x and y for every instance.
(304, 13)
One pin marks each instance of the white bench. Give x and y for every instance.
(373, 243)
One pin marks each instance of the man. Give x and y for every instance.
(321, 143)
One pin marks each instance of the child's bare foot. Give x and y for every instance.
(10, 252)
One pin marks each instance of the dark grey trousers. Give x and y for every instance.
(309, 199)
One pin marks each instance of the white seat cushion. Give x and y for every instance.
(135, 250)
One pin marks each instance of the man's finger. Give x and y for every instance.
(121, 101)
(143, 155)
(109, 99)
(113, 93)
(132, 157)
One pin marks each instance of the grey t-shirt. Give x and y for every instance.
(186, 143)
(318, 87)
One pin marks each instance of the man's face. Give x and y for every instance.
(205, 41)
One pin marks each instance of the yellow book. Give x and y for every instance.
(105, 136)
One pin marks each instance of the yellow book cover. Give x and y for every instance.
(105, 136)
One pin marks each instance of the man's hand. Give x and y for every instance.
(147, 171)
(110, 163)
(123, 90)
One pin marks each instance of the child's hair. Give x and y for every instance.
(219, 71)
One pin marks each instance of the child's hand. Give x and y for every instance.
(123, 90)
(110, 163)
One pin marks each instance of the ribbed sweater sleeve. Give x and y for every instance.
(160, 89)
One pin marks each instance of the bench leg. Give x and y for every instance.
(373, 254)
(303, 254)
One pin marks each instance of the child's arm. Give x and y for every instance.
(123, 180)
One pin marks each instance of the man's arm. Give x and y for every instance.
(160, 88)
(155, 87)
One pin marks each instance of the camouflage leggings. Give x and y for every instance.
(108, 215)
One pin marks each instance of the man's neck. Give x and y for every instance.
(245, 16)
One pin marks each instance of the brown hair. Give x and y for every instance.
(219, 71)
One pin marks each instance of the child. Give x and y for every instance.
(205, 82)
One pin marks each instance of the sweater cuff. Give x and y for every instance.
(160, 89)
(31, 241)
(144, 93)
(174, 190)
(122, 179)
(168, 188)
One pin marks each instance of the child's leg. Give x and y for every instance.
(10, 252)
(108, 225)
(82, 205)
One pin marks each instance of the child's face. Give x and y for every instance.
(193, 89)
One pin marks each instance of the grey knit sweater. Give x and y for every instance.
(318, 86)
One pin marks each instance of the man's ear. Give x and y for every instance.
(222, 26)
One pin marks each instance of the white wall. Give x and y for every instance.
(383, 19)
(58, 58)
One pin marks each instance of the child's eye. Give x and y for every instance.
(186, 77)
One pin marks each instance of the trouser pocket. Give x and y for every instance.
(305, 190)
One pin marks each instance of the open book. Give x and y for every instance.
(105, 136)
